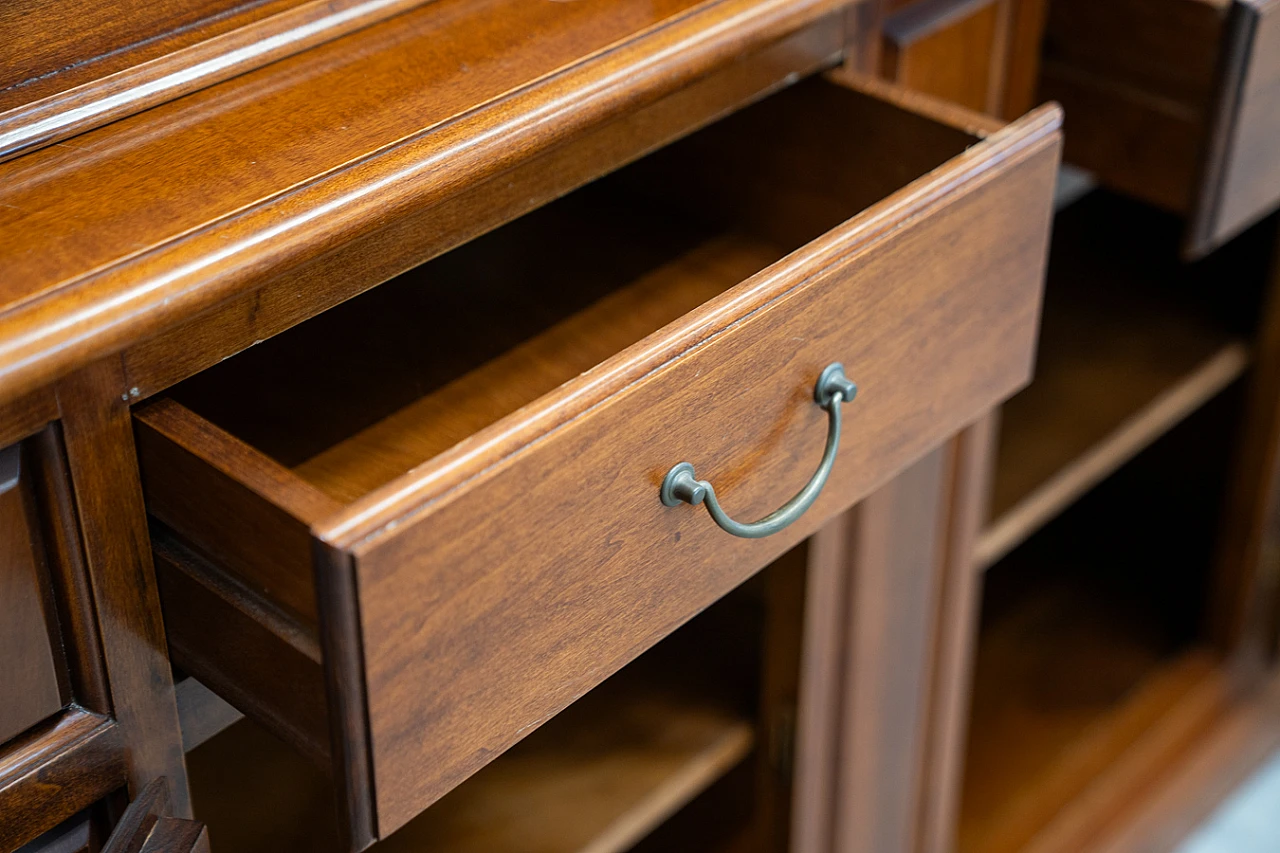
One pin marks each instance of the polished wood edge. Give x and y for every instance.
(55, 770)
(148, 84)
(1204, 232)
(938, 109)
(263, 476)
(240, 323)
(350, 741)
(202, 714)
(1128, 439)
(358, 525)
(105, 310)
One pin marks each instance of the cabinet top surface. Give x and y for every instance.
(126, 230)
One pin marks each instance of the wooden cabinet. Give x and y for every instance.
(1175, 103)
(485, 512)
(951, 49)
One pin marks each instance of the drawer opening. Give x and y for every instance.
(363, 393)
(681, 731)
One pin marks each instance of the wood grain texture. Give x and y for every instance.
(25, 416)
(1075, 750)
(1022, 71)
(954, 636)
(257, 316)
(951, 49)
(246, 649)
(52, 772)
(818, 708)
(897, 548)
(1242, 168)
(56, 35)
(77, 108)
(269, 548)
(28, 625)
(1143, 146)
(1016, 204)
(98, 432)
(73, 596)
(474, 102)
(596, 780)
(617, 763)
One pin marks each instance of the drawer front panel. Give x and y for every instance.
(29, 672)
(486, 613)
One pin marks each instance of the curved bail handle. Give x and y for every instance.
(681, 486)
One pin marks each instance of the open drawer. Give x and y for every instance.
(1174, 101)
(408, 532)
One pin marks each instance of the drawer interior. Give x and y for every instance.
(687, 728)
(360, 395)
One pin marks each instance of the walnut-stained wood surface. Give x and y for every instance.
(55, 770)
(951, 49)
(370, 130)
(32, 674)
(98, 433)
(92, 92)
(996, 193)
(612, 767)
(897, 548)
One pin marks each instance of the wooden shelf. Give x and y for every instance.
(1032, 761)
(594, 785)
(1091, 677)
(1130, 346)
(596, 779)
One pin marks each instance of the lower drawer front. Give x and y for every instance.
(465, 602)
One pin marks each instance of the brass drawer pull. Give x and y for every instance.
(680, 484)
